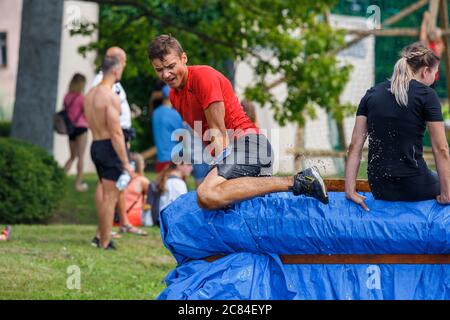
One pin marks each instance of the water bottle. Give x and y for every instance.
(124, 178)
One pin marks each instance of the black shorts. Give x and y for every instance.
(417, 188)
(248, 156)
(107, 162)
(77, 132)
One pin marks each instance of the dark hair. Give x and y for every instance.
(162, 45)
(109, 63)
(414, 57)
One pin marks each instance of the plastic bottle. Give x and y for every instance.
(124, 178)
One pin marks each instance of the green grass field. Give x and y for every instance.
(34, 264)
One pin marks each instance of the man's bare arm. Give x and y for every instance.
(117, 138)
(215, 116)
(423, 28)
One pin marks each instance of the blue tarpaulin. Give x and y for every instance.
(253, 233)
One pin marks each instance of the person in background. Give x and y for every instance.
(394, 115)
(73, 104)
(432, 39)
(171, 183)
(108, 150)
(125, 124)
(135, 198)
(6, 234)
(125, 110)
(165, 120)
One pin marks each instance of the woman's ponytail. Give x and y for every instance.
(414, 57)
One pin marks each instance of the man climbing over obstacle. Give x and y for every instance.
(243, 156)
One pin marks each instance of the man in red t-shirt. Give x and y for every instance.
(242, 167)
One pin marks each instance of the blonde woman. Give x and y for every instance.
(394, 114)
(73, 104)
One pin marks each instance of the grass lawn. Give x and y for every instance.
(34, 264)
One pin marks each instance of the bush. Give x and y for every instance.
(31, 183)
(5, 128)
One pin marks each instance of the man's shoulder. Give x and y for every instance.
(105, 93)
(202, 77)
(202, 70)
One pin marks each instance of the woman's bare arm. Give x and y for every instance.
(441, 157)
(359, 136)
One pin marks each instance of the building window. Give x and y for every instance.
(3, 58)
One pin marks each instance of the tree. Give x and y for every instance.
(288, 38)
(37, 80)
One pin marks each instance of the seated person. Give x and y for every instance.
(135, 198)
(394, 114)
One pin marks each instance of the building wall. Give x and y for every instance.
(10, 17)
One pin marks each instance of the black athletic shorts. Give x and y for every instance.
(247, 156)
(77, 132)
(107, 162)
(417, 188)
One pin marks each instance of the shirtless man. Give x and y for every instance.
(108, 150)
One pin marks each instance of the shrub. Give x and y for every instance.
(5, 128)
(31, 183)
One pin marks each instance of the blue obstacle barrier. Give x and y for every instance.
(252, 234)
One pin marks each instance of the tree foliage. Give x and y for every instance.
(287, 39)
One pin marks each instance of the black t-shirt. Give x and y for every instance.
(396, 132)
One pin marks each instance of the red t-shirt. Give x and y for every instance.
(204, 86)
